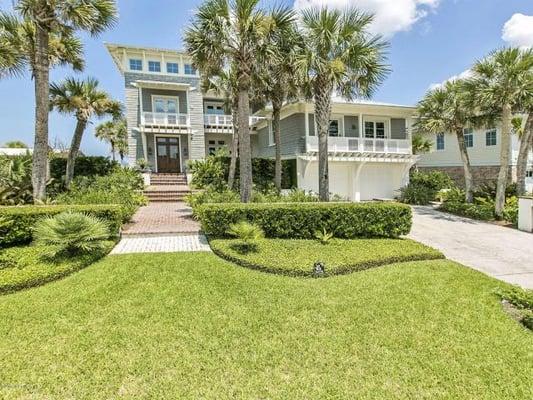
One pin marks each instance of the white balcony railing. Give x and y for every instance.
(165, 119)
(225, 121)
(361, 145)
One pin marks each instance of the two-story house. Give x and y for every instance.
(171, 121)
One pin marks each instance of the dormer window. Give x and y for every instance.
(136, 64)
(189, 69)
(154, 66)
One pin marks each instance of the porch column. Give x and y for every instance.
(145, 145)
(356, 173)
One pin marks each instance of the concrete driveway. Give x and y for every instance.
(503, 253)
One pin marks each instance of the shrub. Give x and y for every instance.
(247, 233)
(324, 237)
(19, 221)
(416, 194)
(71, 233)
(208, 173)
(424, 186)
(122, 187)
(302, 220)
(85, 166)
(15, 180)
(522, 301)
(510, 211)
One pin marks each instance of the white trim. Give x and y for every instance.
(436, 141)
(271, 139)
(163, 96)
(374, 119)
(179, 150)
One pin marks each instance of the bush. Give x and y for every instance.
(510, 211)
(123, 187)
(522, 301)
(454, 202)
(15, 180)
(247, 233)
(424, 186)
(85, 166)
(20, 221)
(302, 220)
(208, 173)
(71, 233)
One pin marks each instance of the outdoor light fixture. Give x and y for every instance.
(319, 269)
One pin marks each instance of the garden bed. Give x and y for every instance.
(29, 266)
(297, 257)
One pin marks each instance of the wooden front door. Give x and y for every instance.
(168, 154)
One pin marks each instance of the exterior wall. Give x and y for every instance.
(147, 94)
(197, 139)
(292, 138)
(132, 121)
(217, 138)
(375, 181)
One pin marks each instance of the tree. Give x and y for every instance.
(339, 55)
(85, 100)
(277, 82)
(445, 110)
(523, 126)
(47, 17)
(421, 145)
(232, 34)
(501, 84)
(16, 144)
(115, 133)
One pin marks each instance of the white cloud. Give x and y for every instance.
(462, 75)
(518, 31)
(391, 16)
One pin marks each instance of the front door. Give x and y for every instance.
(168, 154)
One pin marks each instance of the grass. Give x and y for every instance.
(190, 326)
(28, 266)
(296, 257)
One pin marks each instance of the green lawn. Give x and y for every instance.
(27, 266)
(191, 326)
(296, 257)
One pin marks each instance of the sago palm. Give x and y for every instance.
(232, 33)
(339, 55)
(47, 17)
(115, 133)
(502, 84)
(445, 110)
(85, 100)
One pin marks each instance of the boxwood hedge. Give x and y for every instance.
(302, 220)
(17, 222)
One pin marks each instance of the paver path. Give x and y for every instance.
(501, 252)
(162, 227)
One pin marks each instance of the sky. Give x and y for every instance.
(430, 41)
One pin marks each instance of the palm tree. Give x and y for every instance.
(339, 55)
(47, 17)
(420, 144)
(85, 100)
(444, 110)
(523, 126)
(233, 34)
(501, 84)
(115, 133)
(277, 82)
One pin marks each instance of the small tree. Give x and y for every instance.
(85, 100)
(115, 133)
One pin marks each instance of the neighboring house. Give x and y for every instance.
(483, 146)
(17, 151)
(171, 121)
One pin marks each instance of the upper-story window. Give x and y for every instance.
(189, 69)
(136, 64)
(440, 141)
(468, 134)
(334, 128)
(214, 109)
(154, 66)
(490, 137)
(375, 129)
(172, 68)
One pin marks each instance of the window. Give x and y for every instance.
(172, 68)
(440, 141)
(490, 137)
(189, 70)
(529, 174)
(154, 66)
(468, 134)
(214, 145)
(136, 65)
(214, 109)
(375, 129)
(333, 129)
(162, 104)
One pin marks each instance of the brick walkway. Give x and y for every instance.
(162, 227)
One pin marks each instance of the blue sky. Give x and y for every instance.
(431, 40)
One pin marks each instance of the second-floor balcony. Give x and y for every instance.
(165, 120)
(224, 123)
(361, 145)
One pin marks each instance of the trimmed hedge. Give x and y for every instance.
(18, 222)
(85, 166)
(302, 220)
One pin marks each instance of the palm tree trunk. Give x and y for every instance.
(504, 161)
(234, 149)
(245, 153)
(74, 150)
(469, 181)
(42, 84)
(322, 113)
(276, 127)
(523, 156)
(113, 151)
